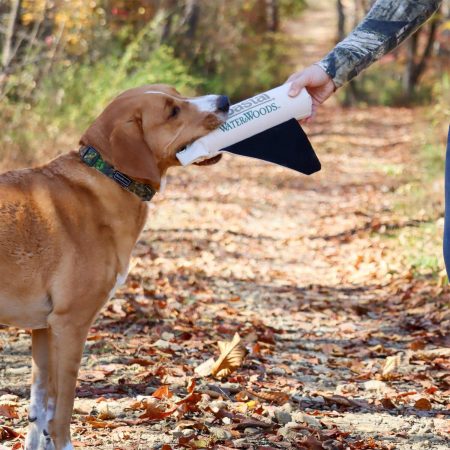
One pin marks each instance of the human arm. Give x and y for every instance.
(386, 26)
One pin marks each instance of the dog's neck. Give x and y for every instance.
(90, 156)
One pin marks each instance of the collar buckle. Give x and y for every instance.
(89, 155)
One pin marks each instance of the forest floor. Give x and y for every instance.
(329, 280)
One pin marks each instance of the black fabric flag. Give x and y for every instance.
(285, 144)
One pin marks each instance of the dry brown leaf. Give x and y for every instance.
(423, 404)
(162, 392)
(204, 369)
(91, 376)
(8, 411)
(232, 355)
(339, 400)
(191, 385)
(311, 443)
(277, 397)
(99, 424)
(391, 364)
(433, 354)
(388, 403)
(241, 396)
(154, 412)
(193, 398)
(418, 344)
(7, 433)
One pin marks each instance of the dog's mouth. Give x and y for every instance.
(209, 161)
(223, 116)
(220, 118)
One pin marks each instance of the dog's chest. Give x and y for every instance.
(25, 312)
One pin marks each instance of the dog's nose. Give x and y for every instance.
(223, 103)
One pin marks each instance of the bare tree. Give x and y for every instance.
(8, 45)
(191, 18)
(341, 20)
(416, 62)
(272, 15)
(169, 7)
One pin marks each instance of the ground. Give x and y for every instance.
(347, 346)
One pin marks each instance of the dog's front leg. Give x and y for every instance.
(36, 440)
(67, 335)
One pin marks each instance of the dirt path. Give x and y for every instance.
(304, 269)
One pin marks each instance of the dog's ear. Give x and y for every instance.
(131, 155)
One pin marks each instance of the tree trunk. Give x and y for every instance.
(7, 53)
(191, 18)
(408, 86)
(169, 8)
(341, 20)
(416, 65)
(272, 16)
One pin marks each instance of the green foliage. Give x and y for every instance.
(422, 196)
(255, 68)
(382, 84)
(86, 53)
(292, 7)
(421, 248)
(72, 96)
(82, 91)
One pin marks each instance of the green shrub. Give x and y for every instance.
(74, 96)
(68, 101)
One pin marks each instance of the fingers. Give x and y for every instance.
(298, 84)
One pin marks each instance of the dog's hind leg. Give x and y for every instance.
(36, 440)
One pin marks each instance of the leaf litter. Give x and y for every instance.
(315, 332)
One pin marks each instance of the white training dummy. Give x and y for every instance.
(250, 118)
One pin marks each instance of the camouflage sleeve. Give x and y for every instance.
(387, 24)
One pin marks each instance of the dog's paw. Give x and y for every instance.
(33, 440)
(46, 441)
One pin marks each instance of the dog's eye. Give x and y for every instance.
(175, 111)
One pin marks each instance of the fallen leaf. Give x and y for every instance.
(200, 443)
(154, 412)
(431, 390)
(417, 345)
(278, 397)
(232, 355)
(17, 446)
(91, 376)
(205, 368)
(388, 403)
(339, 400)
(242, 396)
(8, 411)
(162, 392)
(251, 423)
(7, 433)
(423, 404)
(391, 364)
(193, 398)
(311, 443)
(95, 423)
(191, 385)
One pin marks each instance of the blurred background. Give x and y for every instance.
(62, 60)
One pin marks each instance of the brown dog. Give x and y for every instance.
(67, 230)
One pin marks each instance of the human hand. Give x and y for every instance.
(317, 82)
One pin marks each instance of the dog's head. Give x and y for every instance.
(141, 131)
